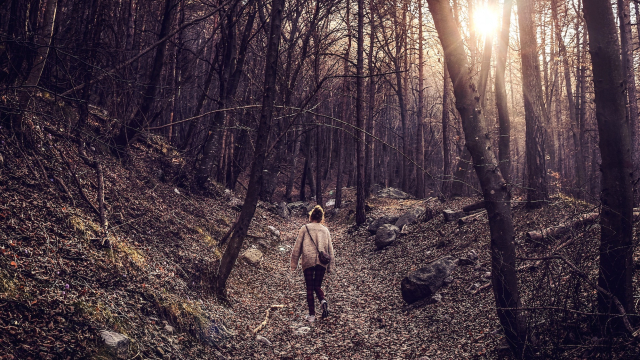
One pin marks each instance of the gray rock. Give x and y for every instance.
(274, 232)
(283, 210)
(451, 215)
(299, 208)
(426, 281)
(263, 340)
(386, 235)
(252, 256)
(373, 227)
(393, 193)
(465, 262)
(117, 344)
(473, 255)
(168, 328)
(301, 331)
(410, 217)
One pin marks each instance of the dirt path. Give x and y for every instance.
(368, 318)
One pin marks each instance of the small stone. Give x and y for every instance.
(116, 343)
(465, 262)
(302, 331)
(263, 340)
(274, 232)
(487, 275)
(437, 298)
(252, 256)
(168, 328)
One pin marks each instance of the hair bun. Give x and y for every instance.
(317, 214)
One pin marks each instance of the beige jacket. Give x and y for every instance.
(309, 254)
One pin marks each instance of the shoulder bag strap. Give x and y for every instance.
(314, 243)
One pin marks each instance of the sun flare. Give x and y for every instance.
(485, 20)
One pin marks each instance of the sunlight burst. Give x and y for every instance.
(485, 20)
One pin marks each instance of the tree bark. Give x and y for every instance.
(360, 213)
(261, 145)
(369, 150)
(533, 107)
(420, 140)
(446, 144)
(505, 284)
(504, 139)
(616, 246)
(626, 43)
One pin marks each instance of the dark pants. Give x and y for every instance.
(313, 278)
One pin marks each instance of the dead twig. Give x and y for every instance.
(266, 318)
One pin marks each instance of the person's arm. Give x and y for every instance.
(296, 252)
(331, 268)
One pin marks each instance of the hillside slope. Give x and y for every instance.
(64, 278)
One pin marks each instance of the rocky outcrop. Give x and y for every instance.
(375, 224)
(425, 281)
(386, 235)
(410, 217)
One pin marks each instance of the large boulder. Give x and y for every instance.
(375, 224)
(410, 217)
(393, 193)
(298, 208)
(425, 281)
(386, 235)
(283, 210)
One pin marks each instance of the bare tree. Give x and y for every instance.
(496, 195)
(261, 146)
(616, 245)
(534, 109)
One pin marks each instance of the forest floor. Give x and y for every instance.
(63, 279)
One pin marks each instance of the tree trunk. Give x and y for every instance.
(616, 245)
(261, 146)
(369, 150)
(341, 138)
(128, 132)
(419, 113)
(446, 144)
(533, 107)
(360, 213)
(43, 40)
(629, 75)
(496, 196)
(504, 139)
(580, 167)
(319, 163)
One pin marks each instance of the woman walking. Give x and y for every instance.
(314, 246)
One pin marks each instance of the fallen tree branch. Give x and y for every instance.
(473, 207)
(95, 164)
(65, 189)
(487, 285)
(471, 218)
(79, 185)
(562, 229)
(266, 318)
